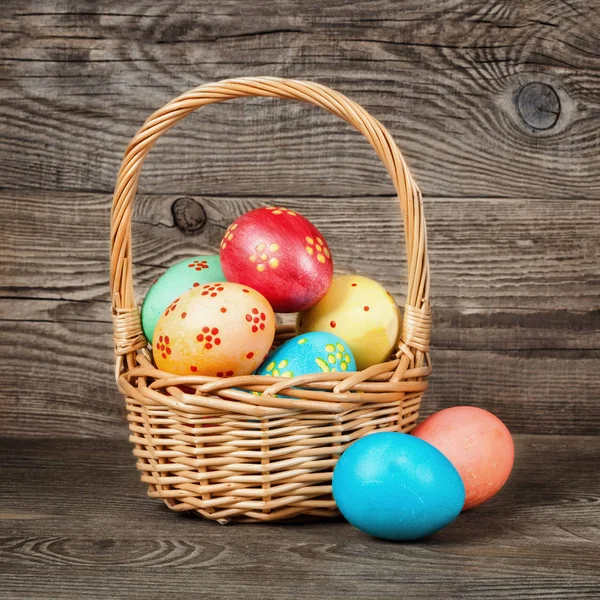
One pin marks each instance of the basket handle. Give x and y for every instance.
(128, 334)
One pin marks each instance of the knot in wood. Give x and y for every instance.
(538, 105)
(189, 215)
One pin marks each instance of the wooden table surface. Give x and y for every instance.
(75, 523)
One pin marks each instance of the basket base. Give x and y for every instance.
(226, 467)
(298, 519)
(288, 514)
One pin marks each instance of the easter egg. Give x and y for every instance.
(397, 487)
(218, 329)
(177, 279)
(317, 352)
(280, 254)
(361, 312)
(477, 443)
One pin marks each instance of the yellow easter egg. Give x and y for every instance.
(218, 329)
(362, 313)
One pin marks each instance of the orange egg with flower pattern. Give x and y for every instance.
(218, 329)
(279, 253)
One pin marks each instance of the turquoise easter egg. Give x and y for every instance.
(397, 487)
(316, 352)
(176, 280)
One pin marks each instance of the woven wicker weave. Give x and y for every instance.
(208, 444)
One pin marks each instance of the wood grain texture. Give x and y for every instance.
(516, 320)
(60, 381)
(486, 254)
(79, 78)
(509, 172)
(538, 538)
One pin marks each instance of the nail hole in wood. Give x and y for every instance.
(189, 215)
(538, 105)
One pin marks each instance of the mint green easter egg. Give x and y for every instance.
(179, 278)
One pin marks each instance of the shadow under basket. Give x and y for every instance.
(231, 448)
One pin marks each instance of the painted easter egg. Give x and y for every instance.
(361, 312)
(279, 253)
(218, 329)
(180, 277)
(397, 487)
(477, 443)
(316, 352)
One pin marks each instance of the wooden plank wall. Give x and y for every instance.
(495, 104)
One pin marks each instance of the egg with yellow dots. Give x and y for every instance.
(279, 253)
(361, 312)
(217, 329)
(316, 352)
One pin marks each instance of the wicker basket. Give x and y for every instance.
(209, 444)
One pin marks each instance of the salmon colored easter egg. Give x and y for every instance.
(280, 254)
(217, 329)
(362, 313)
(477, 443)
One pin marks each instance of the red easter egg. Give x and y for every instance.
(477, 443)
(280, 254)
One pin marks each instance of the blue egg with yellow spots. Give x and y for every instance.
(315, 352)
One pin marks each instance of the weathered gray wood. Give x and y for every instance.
(58, 379)
(516, 327)
(79, 78)
(508, 255)
(74, 521)
(467, 88)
